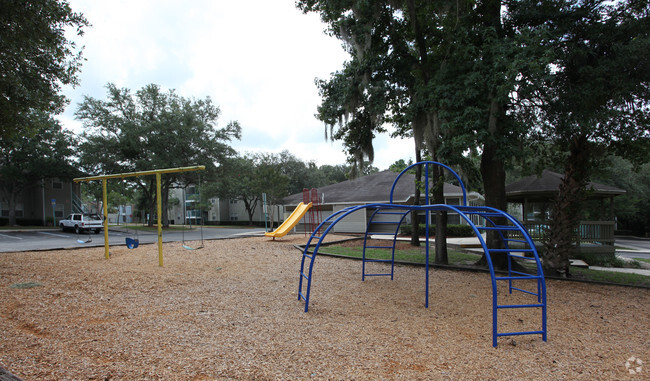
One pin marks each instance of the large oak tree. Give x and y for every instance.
(152, 129)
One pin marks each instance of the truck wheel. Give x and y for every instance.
(76, 229)
(97, 231)
(62, 227)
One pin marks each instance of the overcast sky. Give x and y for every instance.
(256, 59)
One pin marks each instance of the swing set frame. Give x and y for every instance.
(158, 173)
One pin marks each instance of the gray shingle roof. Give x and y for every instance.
(370, 189)
(548, 183)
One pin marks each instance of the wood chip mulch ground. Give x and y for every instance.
(231, 311)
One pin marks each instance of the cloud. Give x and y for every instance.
(256, 59)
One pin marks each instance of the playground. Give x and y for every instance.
(231, 311)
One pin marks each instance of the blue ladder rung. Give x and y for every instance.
(523, 274)
(515, 240)
(511, 250)
(306, 255)
(486, 214)
(528, 276)
(304, 275)
(525, 291)
(498, 228)
(519, 333)
(521, 305)
(522, 257)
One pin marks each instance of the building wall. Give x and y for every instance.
(220, 211)
(43, 201)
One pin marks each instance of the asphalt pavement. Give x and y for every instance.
(54, 239)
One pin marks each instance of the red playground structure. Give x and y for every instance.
(315, 216)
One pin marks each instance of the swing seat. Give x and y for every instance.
(192, 248)
(132, 243)
(82, 241)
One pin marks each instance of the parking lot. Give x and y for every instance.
(52, 239)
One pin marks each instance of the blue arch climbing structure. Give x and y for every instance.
(518, 246)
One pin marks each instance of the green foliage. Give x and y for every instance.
(149, 130)
(632, 208)
(36, 59)
(401, 165)
(612, 277)
(278, 175)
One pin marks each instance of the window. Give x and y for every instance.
(57, 184)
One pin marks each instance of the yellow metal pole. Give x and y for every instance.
(141, 173)
(159, 202)
(105, 202)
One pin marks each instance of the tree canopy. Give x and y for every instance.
(152, 129)
(36, 59)
(484, 76)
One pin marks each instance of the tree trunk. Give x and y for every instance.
(250, 208)
(415, 224)
(441, 217)
(9, 191)
(165, 204)
(494, 176)
(565, 212)
(12, 208)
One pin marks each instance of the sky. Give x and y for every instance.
(256, 59)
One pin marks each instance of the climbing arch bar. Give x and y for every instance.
(158, 173)
(518, 248)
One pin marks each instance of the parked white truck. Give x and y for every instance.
(82, 222)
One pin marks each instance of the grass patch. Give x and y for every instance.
(25, 285)
(646, 260)
(411, 255)
(459, 258)
(611, 277)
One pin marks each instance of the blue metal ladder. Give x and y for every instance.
(393, 218)
(512, 233)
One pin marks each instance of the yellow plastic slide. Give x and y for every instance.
(290, 222)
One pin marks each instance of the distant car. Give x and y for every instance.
(82, 222)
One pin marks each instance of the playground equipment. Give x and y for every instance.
(290, 222)
(517, 242)
(186, 246)
(314, 217)
(80, 240)
(132, 240)
(158, 173)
